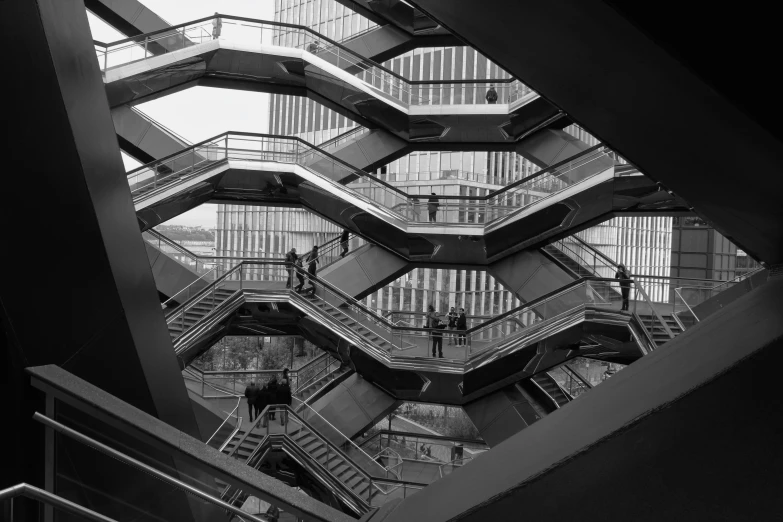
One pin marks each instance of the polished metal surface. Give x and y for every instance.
(50, 499)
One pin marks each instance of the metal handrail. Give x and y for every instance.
(235, 410)
(169, 30)
(392, 469)
(462, 459)
(122, 457)
(677, 291)
(227, 393)
(362, 173)
(408, 434)
(317, 376)
(160, 126)
(576, 374)
(40, 495)
(231, 435)
(165, 304)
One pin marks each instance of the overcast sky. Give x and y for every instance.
(199, 113)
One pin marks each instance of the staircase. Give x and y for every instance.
(319, 385)
(337, 463)
(659, 334)
(197, 312)
(353, 324)
(547, 383)
(606, 293)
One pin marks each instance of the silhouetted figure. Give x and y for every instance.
(250, 395)
(284, 395)
(299, 269)
(625, 284)
(462, 326)
(217, 27)
(433, 322)
(312, 261)
(344, 242)
(272, 390)
(453, 315)
(432, 208)
(260, 402)
(492, 95)
(290, 257)
(312, 47)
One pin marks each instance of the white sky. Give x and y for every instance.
(199, 113)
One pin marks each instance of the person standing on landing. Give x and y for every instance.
(625, 284)
(432, 208)
(217, 27)
(462, 326)
(290, 257)
(492, 95)
(453, 315)
(250, 396)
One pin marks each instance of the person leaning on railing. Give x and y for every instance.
(625, 284)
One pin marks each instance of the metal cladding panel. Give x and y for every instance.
(364, 271)
(529, 274)
(352, 406)
(501, 414)
(170, 276)
(550, 146)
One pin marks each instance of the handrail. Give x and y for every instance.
(315, 377)
(462, 459)
(342, 136)
(122, 457)
(231, 435)
(576, 374)
(192, 369)
(26, 490)
(162, 127)
(235, 410)
(165, 304)
(365, 174)
(141, 37)
(409, 434)
(677, 291)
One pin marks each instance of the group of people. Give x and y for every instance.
(311, 259)
(455, 321)
(297, 268)
(273, 392)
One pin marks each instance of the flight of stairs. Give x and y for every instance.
(351, 323)
(605, 291)
(659, 334)
(197, 312)
(549, 385)
(318, 385)
(336, 463)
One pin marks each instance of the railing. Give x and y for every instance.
(435, 449)
(238, 425)
(183, 141)
(59, 506)
(343, 138)
(328, 365)
(404, 342)
(381, 479)
(135, 464)
(688, 297)
(392, 461)
(209, 298)
(448, 467)
(234, 382)
(382, 81)
(332, 173)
